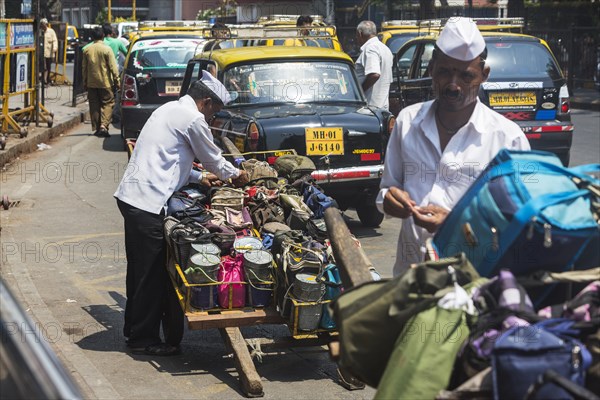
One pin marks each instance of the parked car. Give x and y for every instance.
(29, 369)
(152, 74)
(72, 41)
(307, 99)
(525, 85)
(395, 33)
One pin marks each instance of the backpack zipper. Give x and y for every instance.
(575, 356)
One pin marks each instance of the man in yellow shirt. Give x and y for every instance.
(50, 48)
(100, 76)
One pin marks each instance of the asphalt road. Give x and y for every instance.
(63, 252)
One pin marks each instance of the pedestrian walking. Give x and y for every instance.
(175, 134)
(50, 49)
(100, 78)
(373, 65)
(438, 148)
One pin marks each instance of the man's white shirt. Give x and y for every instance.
(376, 58)
(161, 162)
(415, 163)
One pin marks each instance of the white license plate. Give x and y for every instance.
(172, 87)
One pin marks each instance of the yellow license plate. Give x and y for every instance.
(513, 99)
(324, 141)
(172, 87)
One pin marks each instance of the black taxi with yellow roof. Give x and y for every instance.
(307, 99)
(153, 72)
(394, 33)
(525, 84)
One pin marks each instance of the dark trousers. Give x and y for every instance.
(146, 275)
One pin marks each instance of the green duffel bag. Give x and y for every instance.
(421, 362)
(293, 166)
(371, 316)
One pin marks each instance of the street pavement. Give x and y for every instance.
(63, 256)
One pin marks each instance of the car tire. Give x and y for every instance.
(369, 215)
(173, 318)
(565, 158)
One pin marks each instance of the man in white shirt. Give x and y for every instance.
(173, 136)
(373, 65)
(438, 148)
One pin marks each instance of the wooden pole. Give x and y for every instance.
(133, 11)
(352, 262)
(109, 12)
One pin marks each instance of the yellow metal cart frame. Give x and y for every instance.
(229, 321)
(11, 118)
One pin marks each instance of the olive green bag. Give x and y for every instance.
(371, 316)
(424, 354)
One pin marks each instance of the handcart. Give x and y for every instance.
(228, 320)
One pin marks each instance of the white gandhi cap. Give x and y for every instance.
(216, 86)
(461, 39)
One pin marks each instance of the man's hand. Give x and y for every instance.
(209, 179)
(398, 203)
(241, 180)
(429, 217)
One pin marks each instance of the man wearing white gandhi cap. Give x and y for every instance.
(439, 147)
(175, 134)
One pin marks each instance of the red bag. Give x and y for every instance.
(232, 295)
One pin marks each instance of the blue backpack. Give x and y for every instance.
(317, 201)
(526, 212)
(522, 354)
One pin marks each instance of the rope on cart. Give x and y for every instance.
(256, 349)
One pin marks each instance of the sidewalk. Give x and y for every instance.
(58, 101)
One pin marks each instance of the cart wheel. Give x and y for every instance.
(172, 321)
(23, 133)
(5, 202)
(50, 122)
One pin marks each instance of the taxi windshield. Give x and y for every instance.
(156, 54)
(511, 60)
(396, 41)
(292, 82)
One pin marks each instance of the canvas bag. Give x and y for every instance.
(371, 316)
(523, 353)
(317, 201)
(227, 197)
(423, 355)
(525, 212)
(180, 206)
(232, 271)
(293, 166)
(258, 170)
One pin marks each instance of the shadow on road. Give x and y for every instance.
(358, 229)
(114, 143)
(204, 353)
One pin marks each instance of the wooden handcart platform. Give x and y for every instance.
(353, 267)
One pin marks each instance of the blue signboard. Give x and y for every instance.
(26, 7)
(2, 35)
(21, 36)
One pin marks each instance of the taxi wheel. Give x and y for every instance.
(173, 318)
(369, 215)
